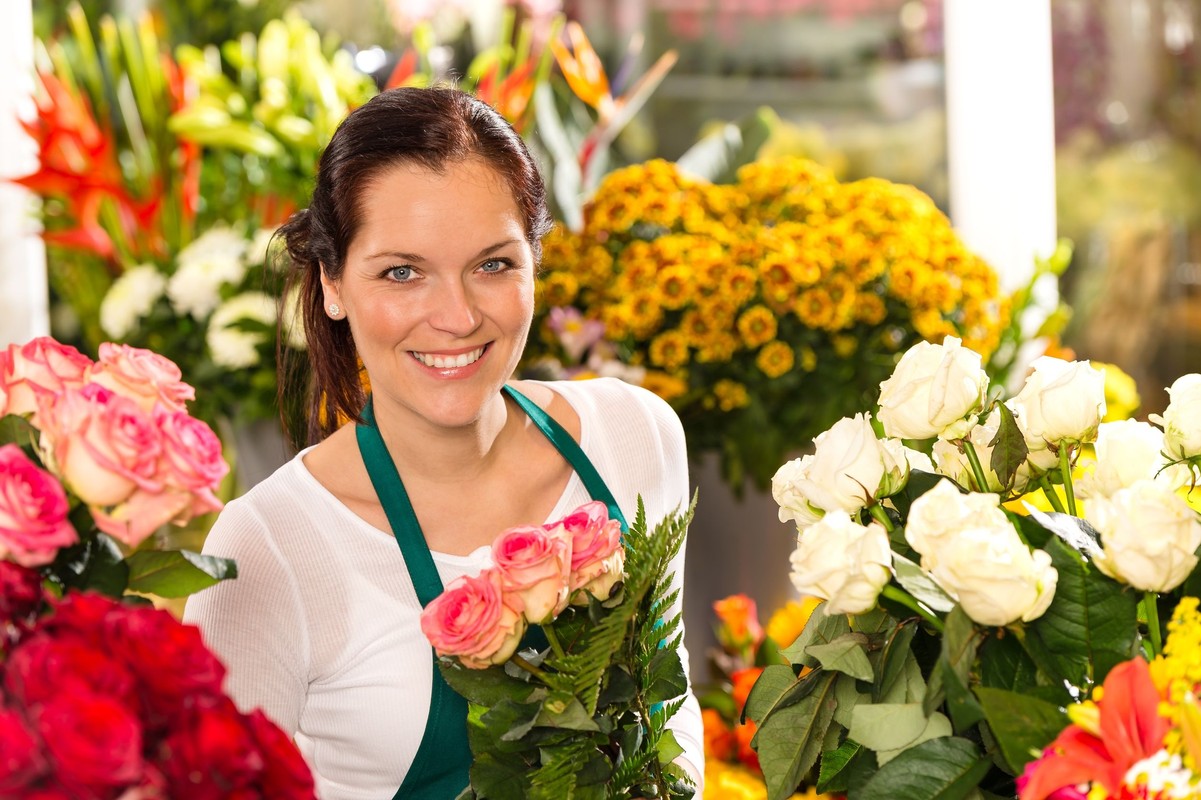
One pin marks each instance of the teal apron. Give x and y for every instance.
(440, 769)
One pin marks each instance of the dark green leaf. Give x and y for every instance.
(947, 768)
(500, 778)
(960, 643)
(666, 677)
(845, 654)
(918, 484)
(892, 659)
(486, 687)
(1022, 725)
(773, 683)
(1004, 664)
(961, 703)
(561, 710)
(790, 739)
(176, 573)
(620, 688)
(835, 765)
(95, 563)
(1009, 449)
(509, 721)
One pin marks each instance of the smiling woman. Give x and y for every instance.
(416, 260)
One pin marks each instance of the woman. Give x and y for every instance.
(416, 258)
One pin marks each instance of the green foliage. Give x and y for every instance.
(588, 719)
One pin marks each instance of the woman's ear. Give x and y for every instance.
(331, 297)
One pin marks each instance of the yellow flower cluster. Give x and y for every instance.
(724, 781)
(1177, 675)
(785, 269)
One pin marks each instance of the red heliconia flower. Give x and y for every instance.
(1131, 729)
(510, 95)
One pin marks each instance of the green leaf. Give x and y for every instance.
(1009, 449)
(940, 769)
(1004, 664)
(666, 677)
(1082, 537)
(1090, 626)
(561, 710)
(500, 778)
(669, 748)
(820, 629)
(95, 563)
(845, 654)
(789, 740)
(961, 703)
(773, 684)
(176, 573)
(832, 776)
(937, 726)
(848, 697)
(918, 484)
(887, 726)
(921, 584)
(892, 659)
(485, 687)
(1022, 725)
(960, 644)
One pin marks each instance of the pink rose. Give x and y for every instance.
(474, 621)
(143, 376)
(103, 445)
(143, 513)
(192, 458)
(33, 511)
(534, 565)
(597, 557)
(40, 367)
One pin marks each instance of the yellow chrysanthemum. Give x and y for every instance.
(559, 288)
(669, 387)
(815, 308)
(775, 359)
(719, 346)
(730, 395)
(757, 326)
(669, 350)
(675, 286)
(738, 284)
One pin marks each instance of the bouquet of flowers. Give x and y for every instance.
(959, 620)
(585, 716)
(104, 699)
(730, 301)
(98, 456)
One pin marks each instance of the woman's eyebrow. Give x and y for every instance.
(398, 255)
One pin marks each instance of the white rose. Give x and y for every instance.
(935, 390)
(1061, 401)
(848, 469)
(1149, 535)
(950, 459)
(843, 563)
(1181, 420)
(994, 575)
(130, 298)
(918, 460)
(214, 260)
(1129, 451)
(231, 347)
(1039, 457)
(938, 515)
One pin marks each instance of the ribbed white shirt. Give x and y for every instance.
(320, 628)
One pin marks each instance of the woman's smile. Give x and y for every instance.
(450, 363)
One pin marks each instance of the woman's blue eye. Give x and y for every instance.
(493, 265)
(400, 274)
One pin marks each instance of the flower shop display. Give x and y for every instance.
(959, 620)
(584, 715)
(96, 458)
(762, 310)
(106, 699)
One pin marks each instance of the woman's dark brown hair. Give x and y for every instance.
(429, 127)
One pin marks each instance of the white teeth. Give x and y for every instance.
(448, 362)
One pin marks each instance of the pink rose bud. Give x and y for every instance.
(474, 621)
(192, 459)
(33, 511)
(534, 565)
(40, 367)
(597, 557)
(141, 375)
(103, 445)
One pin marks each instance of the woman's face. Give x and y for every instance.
(438, 289)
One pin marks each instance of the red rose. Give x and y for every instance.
(286, 775)
(212, 756)
(168, 657)
(21, 758)
(94, 741)
(20, 592)
(82, 613)
(41, 668)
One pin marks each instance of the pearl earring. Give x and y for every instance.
(335, 310)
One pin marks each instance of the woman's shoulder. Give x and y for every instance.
(606, 396)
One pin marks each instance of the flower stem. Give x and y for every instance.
(1065, 468)
(530, 668)
(1052, 495)
(973, 458)
(880, 515)
(907, 600)
(1152, 611)
(553, 639)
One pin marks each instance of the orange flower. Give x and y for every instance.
(510, 95)
(744, 681)
(720, 743)
(788, 622)
(743, 733)
(738, 627)
(583, 70)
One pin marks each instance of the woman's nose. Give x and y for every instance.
(454, 310)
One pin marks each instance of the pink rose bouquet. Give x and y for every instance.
(569, 659)
(95, 456)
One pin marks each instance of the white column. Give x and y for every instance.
(1001, 131)
(24, 308)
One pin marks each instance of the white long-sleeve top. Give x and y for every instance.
(321, 627)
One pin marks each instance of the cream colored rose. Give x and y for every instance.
(1181, 421)
(848, 469)
(994, 575)
(1149, 535)
(843, 563)
(130, 298)
(935, 390)
(1061, 401)
(938, 515)
(1128, 451)
(230, 346)
(951, 460)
